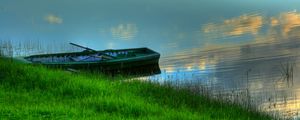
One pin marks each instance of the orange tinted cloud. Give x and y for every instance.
(274, 21)
(289, 21)
(286, 24)
(236, 26)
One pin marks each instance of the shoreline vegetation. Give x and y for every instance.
(36, 92)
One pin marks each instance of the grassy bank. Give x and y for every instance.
(31, 92)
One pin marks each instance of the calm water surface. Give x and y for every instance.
(234, 48)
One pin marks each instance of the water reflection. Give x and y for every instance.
(124, 31)
(288, 21)
(258, 68)
(261, 72)
(236, 26)
(281, 26)
(53, 19)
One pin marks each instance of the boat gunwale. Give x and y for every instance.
(136, 58)
(150, 55)
(86, 53)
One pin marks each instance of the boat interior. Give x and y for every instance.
(87, 56)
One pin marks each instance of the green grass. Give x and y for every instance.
(35, 92)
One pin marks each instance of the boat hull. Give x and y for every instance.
(141, 60)
(149, 65)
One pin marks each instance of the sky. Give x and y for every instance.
(163, 25)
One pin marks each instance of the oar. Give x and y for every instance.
(92, 50)
(88, 49)
(102, 56)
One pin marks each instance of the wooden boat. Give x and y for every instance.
(107, 60)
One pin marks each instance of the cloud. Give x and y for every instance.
(274, 21)
(236, 26)
(124, 31)
(53, 19)
(110, 45)
(282, 26)
(277, 28)
(288, 21)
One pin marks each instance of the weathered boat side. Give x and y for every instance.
(107, 60)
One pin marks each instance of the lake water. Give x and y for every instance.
(234, 48)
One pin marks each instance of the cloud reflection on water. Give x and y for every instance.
(245, 24)
(53, 19)
(288, 21)
(285, 24)
(254, 65)
(124, 31)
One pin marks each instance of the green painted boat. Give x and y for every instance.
(121, 60)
